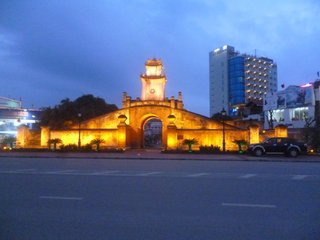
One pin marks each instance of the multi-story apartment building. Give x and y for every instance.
(236, 79)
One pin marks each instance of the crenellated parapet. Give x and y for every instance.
(174, 103)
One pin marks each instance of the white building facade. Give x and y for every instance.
(13, 115)
(293, 106)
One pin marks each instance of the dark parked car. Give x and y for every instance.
(288, 146)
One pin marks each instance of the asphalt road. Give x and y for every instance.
(154, 199)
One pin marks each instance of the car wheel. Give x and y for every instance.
(293, 152)
(258, 152)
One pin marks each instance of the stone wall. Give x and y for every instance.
(124, 128)
(214, 137)
(27, 138)
(110, 136)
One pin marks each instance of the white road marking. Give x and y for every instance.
(22, 170)
(198, 174)
(299, 177)
(147, 174)
(103, 173)
(248, 205)
(61, 198)
(249, 175)
(62, 171)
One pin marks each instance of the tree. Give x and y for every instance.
(240, 143)
(219, 117)
(54, 141)
(65, 114)
(190, 142)
(310, 132)
(97, 142)
(270, 119)
(90, 106)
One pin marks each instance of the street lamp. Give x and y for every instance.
(79, 140)
(223, 114)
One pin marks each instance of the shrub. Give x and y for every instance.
(210, 149)
(54, 141)
(86, 148)
(190, 142)
(240, 143)
(97, 142)
(69, 148)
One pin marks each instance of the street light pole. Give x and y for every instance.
(79, 139)
(223, 114)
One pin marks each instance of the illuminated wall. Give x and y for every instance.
(254, 134)
(109, 127)
(281, 131)
(124, 128)
(22, 136)
(45, 136)
(214, 137)
(71, 136)
(27, 138)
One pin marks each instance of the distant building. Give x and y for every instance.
(292, 106)
(238, 79)
(13, 115)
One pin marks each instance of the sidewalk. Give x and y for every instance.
(157, 155)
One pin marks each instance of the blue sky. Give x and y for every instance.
(51, 50)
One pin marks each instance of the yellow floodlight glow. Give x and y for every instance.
(172, 142)
(122, 136)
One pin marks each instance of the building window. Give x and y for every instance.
(299, 114)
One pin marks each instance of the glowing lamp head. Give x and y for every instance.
(122, 118)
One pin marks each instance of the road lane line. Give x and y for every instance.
(249, 175)
(248, 205)
(61, 198)
(62, 171)
(147, 174)
(299, 177)
(24, 170)
(103, 173)
(198, 174)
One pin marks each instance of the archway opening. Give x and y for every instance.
(152, 133)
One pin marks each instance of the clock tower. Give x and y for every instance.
(153, 81)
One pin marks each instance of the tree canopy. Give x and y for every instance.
(67, 112)
(219, 117)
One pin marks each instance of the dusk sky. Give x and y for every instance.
(51, 50)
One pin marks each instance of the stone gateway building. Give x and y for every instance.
(153, 120)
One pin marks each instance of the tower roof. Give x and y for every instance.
(153, 62)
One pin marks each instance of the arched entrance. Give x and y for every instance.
(152, 133)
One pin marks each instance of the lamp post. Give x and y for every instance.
(79, 139)
(223, 114)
